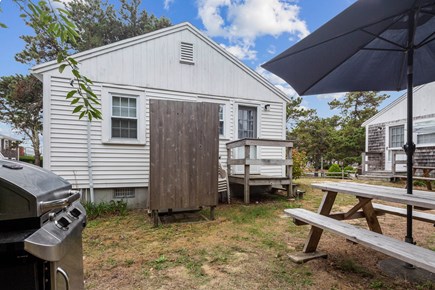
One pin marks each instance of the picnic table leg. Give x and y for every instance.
(371, 217)
(428, 183)
(316, 233)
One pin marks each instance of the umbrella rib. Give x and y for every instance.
(384, 39)
(426, 40)
(383, 49)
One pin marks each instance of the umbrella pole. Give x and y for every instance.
(409, 147)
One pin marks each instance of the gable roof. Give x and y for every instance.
(390, 106)
(40, 69)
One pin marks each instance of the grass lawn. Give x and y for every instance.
(244, 248)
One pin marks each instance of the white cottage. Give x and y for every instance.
(109, 159)
(386, 131)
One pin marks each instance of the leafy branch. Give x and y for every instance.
(54, 22)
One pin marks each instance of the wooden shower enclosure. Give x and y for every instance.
(184, 149)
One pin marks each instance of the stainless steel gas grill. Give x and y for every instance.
(41, 224)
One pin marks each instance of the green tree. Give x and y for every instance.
(21, 107)
(316, 137)
(355, 108)
(296, 113)
(54, 24)
(99, 23)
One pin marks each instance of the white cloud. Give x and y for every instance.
(331, 97)
(167, 3)
(241, 51)
(241, 22)
(271, 49)
(276, 81)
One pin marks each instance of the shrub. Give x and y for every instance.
(349, 168)
(95, 210)
(29, 159)
(299, 162)
(334, 168)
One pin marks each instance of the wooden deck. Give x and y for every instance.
(258, 179)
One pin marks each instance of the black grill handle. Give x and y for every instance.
(59, 203)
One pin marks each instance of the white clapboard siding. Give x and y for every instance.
(272, 127)
(153, 61)
(151, 65)
(113, 165)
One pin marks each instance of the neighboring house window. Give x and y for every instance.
(397, 134)
(124, 111)
(426, 138)
(221, 120)
(124, 117)
(425, 132)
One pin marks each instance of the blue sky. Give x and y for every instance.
(253, 30)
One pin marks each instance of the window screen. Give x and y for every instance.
(397, 136)
(124, 117)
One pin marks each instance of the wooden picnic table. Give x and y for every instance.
(324, 219)
(426, 174)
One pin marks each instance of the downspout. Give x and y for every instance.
(91, 181)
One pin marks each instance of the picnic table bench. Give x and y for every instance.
(364, 208)
(425, 177)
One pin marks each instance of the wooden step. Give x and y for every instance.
(421, 216)
(415, 255)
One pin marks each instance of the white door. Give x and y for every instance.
(247, 128)
(394, 140)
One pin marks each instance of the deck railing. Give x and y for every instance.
(366, 160)
(247, 161)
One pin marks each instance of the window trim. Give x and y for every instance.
(390, 136)
(224, 120)
(107, 95)
(415, 135)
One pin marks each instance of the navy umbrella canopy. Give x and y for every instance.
(363, 48)
(374, 45)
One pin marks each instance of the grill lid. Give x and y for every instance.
(23, 187)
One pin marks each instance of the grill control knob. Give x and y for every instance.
(63, 223)
(75, 213)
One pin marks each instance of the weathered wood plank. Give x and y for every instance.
(412, 254)
(418, 198)
(246, 188)
(261, 181)
(316, 232)
(260, 162)
(183, 154)
(420, 216)
(259, 142)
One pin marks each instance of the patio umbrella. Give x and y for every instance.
(374, 45)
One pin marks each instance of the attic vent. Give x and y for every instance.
(186, 53)
(126, 192)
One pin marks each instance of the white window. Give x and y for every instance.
(123, 116)
(426, 138)
(222, 120)
(397, 134)
(425, 132)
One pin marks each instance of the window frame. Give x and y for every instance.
(416, 135)
(224, 129)
(390, 135)
(120, 117)
(107, 104)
